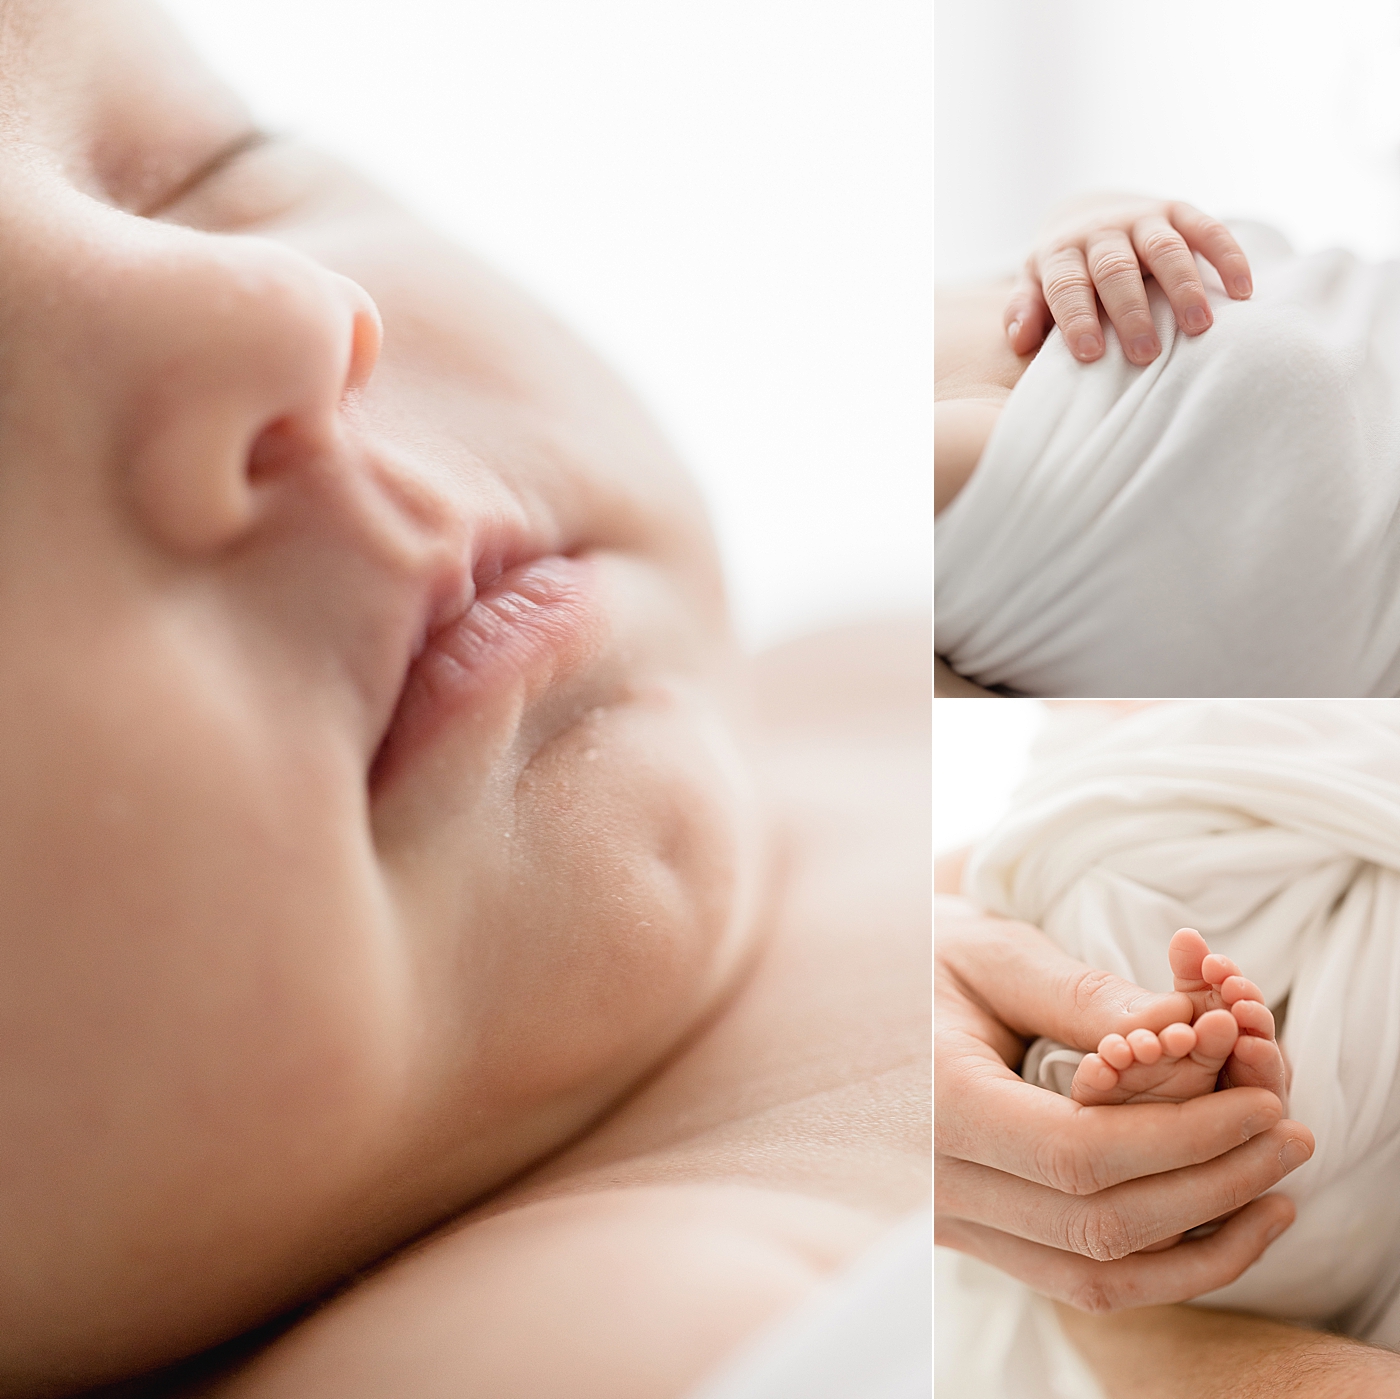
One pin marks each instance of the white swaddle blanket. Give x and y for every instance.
(1221, 522)
(1274, 828)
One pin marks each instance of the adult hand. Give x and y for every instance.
(1103, 244)
(1065, 1197)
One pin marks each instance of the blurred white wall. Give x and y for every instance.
(1285, 110)
(730, 199)
(980, 751)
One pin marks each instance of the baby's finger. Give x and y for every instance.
(1217, 245)
(1117, 274)
(1064, 280)
(1026, 319)
(1164, 252)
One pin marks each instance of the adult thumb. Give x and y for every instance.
(1034, 988)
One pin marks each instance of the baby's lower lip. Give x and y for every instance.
(531, 624)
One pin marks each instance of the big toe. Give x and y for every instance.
(1186, 951)
(1216, 1033)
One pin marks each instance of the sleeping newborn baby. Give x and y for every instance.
(434, 959)
(1222, 519)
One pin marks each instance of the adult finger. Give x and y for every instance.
(1164, 252)
(995, 1119)
(1129, 1217)
(1191, 1268)
(1034, 988)
(1026, 319)
(1069, 293)
(1216, 244)
(1117, 274)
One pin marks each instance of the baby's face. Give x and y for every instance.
(368, 815)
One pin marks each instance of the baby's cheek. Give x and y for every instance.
(643, 853)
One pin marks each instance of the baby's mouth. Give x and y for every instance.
(517, 631)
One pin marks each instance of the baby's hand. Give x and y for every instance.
(1109, 243)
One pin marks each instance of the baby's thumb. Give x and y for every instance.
(1027, 317)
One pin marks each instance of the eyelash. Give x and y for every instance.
(215, 165)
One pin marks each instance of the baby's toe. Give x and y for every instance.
(1185, 952)
(1239, 988)
(1116, 1051)
(1216, 1033)
(1093, 1077)
(1254, 1018)
(1146, 1047)
(1178, 1040)
(1216, 968)
(1259, 1063)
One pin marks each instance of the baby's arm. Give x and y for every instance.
(629, 1293)
(1105, 244)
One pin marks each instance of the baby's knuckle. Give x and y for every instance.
(1162, 243)
(1062, 284)
(1116, 267)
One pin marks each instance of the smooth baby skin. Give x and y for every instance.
(781, 1140)
(310, 934)
(1229, 1042)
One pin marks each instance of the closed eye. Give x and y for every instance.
(222, 158)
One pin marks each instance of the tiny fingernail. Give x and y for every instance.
(1013, 330)
(1196, 318)
(1145, 347)
(1293, 1154)
(1260, 1122)
(1243, 286)
(1088, 345)
(1275, 1230)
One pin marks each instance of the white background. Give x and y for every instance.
(730, 199)
(1285, 110)
(980, 749)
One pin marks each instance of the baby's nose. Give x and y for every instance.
(238, 357)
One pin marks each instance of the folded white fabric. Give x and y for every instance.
(1222, 522)
(1274, 828)
(866, 1335)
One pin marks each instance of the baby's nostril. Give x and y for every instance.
(272, 451)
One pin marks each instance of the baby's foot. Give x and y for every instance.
(1214, 982)
(1229, 1044)
(1182, 1062)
